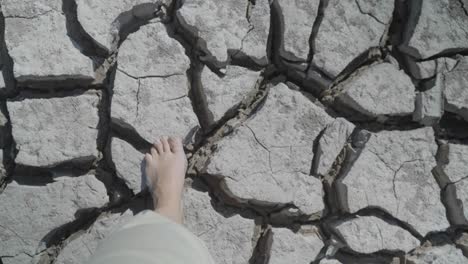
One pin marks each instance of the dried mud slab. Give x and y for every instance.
(51, 131)
(379, 91)
(269, 158)
(397, 166)
(151, 86)
(228, 27)
(295, 247)
(37, 40)
(446, 254)
(229, 237)
(448, 23)
(44, 208)
(348, 29)
(369, 234)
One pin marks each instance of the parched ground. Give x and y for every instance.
(317, 131)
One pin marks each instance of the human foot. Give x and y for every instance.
(165, 169)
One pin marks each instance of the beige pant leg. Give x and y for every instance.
(152, 239)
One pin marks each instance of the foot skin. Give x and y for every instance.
(165, 169)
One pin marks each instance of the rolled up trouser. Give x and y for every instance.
(150, 238)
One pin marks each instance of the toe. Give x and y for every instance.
(148, 158)
(148, 161)
(149, 167)
(165, 144)
(176, 144)
(159, 147)
(154, 152)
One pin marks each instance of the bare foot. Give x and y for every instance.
(165, 169)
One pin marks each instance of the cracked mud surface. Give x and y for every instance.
(316, 131)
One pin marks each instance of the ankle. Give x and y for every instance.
(173, 214)
(166, 202)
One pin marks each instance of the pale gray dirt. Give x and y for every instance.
(50, 131)
(128, 164)
(151, 87)
(457, 167)
(268, 158)
(43, 208)
(237, 26)
(224, 93)
(430, 104)
(2, 83)
(299, 17)
(443, 254)
(448, 20)
(462, 242)
(3, 139)
(456, 94)
(37, 40)
(462, 195)
(346, 32)
(329, 261)
(100, 19)
(380, 90)
(331, 143)
(295, 247)
(229, 237)
(319, 131)
(397, 166)
(370, 234)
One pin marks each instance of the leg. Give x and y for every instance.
(165, 167)
(157, 237)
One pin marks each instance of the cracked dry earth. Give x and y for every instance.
(317, 131)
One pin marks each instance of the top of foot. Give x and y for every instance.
(166, 165)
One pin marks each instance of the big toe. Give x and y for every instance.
(148, 158)
(176, 144)
(150, 163)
